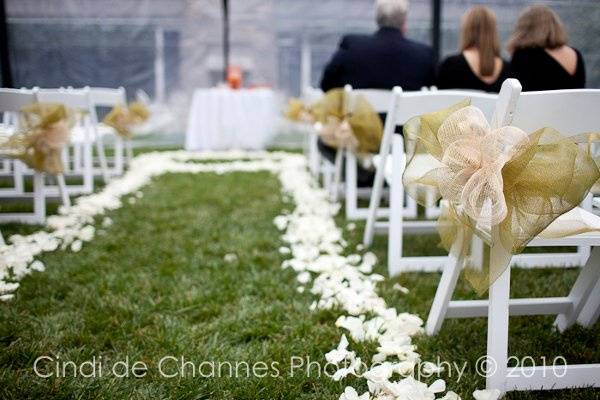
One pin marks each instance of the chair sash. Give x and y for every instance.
(124, 119)
(503, 185)
(45, 132)
(359, 130)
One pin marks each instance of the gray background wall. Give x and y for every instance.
(113, 42)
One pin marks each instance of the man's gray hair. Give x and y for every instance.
(391, 13)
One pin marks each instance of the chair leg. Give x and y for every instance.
(313, 153)
(18, 176)
(588, 277)
(446, 287)
(396, 206)
(337, 175)
(591, 310)
(350, 185)
(88, 171)
(88, 165)
(62, 188)
(376, 193)
(102, 157)
(497, 333)
(585, 251)
(327, 177)
(39, 198)
(129, 149)
(119, 156)
(318, 162)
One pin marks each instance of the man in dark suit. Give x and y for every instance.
(379, 61)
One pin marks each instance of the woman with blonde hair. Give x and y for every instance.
(541, 57)
(478, 66)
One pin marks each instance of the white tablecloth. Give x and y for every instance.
(222, 119)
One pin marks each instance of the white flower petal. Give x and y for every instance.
(493, 394)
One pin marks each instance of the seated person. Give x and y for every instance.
(379, 61)
(541, 57)
(478, 66)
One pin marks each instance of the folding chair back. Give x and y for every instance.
(81, 162)
(11, 103)
(76, 99)
(107, 97)
(380, 100)
(407, 105)
(13, 100)
(571, 112)
(411, 104)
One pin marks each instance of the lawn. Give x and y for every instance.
(192, 271)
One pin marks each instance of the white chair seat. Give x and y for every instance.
(6, 130)
(104, 130)
(578, 219)
(78, 132)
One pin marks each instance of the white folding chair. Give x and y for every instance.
(11, 103)
(336, 185)
(571, 112)
(104, 98)
(332, 172)
(310, 96)
(406, 105)
(380, 100)
(78, 156)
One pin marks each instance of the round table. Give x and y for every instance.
(223, 119)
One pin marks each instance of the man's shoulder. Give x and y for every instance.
(419, 48)
(354, 39)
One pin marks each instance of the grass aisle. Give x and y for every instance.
(155, 285)
(192, 270)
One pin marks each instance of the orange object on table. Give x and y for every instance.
(234, 77)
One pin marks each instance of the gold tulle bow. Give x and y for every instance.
(359, 131)
(44, 132)
(125, 118)
(297, 111)
(502, 185)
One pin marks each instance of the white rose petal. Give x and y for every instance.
(76, 246)
(438, 386)
(37, 265)
(493, 394)
(451, 396)
(400, 288)
(230, 257)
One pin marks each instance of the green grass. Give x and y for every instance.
(155, 284)
(464, 340)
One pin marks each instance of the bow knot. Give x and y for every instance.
(473, 156)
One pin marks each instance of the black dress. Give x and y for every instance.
(456, 73)
(538, 70)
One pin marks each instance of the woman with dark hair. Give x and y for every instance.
(541, 57)
(478, 66)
